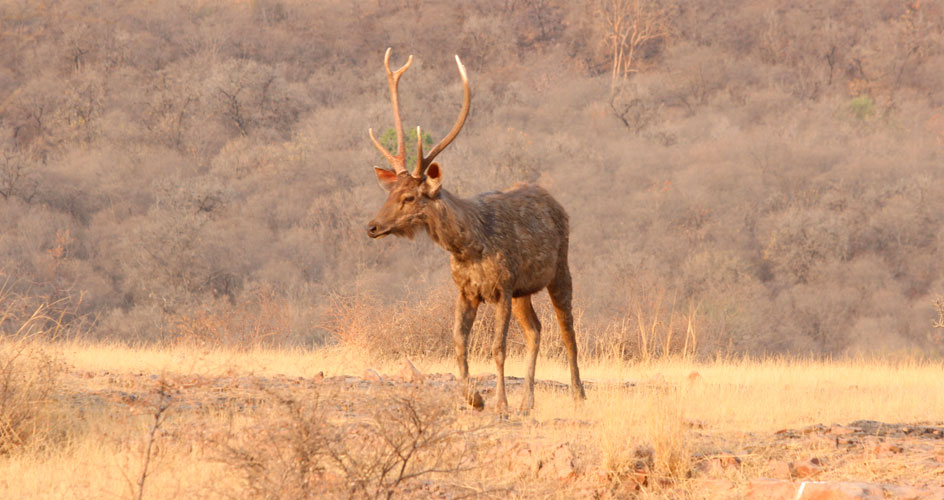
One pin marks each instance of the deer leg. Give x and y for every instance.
(524, 313)
(502, 316)
(465, 317)
(560, 291)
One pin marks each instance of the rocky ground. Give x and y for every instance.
(865, 460)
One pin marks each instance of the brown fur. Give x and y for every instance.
(504, 247)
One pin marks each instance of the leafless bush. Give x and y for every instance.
(257, 319)
(635, 110)
(939, 308)
(29, 375)
(421, 325)
(303, 450)
(653, 326)
(17, 176)
(159, 414)
(402, 328)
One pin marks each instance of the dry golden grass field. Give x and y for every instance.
(105, 421)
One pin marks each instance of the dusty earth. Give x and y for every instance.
(899, 461)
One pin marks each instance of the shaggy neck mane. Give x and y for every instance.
(456, 225)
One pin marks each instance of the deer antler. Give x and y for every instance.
(393, 77)
(421, 162)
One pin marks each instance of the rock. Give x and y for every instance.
(599, 476)
(645, 462)
(476, 401)
(933, 494)
(887, 447)
(559, 464)
(641, 476)
(814, 429)
(371, 375)
(715, 465)
(806, 469)
(778, 469)
(840, 430)
(771, 489)
(524, 459)
(410, 373)
(712, 488)
(896, 492)
(845, 490)
(542, 461)
(694, 424)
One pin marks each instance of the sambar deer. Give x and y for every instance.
(504, 246)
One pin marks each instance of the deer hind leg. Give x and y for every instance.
(524, 313)
(560, 291)
(465, 317)
(502, 316)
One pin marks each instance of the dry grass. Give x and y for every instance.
(647, 328)
(30, 414)
(214, 441)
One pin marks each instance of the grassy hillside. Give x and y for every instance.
(764, 176)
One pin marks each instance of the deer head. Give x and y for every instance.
(410, 193)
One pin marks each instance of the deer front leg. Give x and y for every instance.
(502, 316)
(465, 317)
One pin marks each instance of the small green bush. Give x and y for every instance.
(389, 141)
(862, 107)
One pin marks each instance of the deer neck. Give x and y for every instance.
(455, 225)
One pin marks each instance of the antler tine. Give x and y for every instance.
(423, 163)
(390, 158)
(393, 77)
(419, 149)
(398, 161)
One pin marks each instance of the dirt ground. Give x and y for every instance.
(528, 456)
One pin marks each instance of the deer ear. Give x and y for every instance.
(433, 180)
(386, 178)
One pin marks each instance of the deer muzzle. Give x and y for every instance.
(376, 231)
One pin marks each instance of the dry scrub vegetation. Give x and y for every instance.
(190, 422)
(766, 173)
(90, 420)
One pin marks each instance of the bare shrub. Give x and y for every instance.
(651, 326)
(633, 108)
(29, 375)
(301, 450)
(259, 318)
(17, 176)
(407, 327)
(159, 416)
(656, 452)
(420, 324)
(939, 308)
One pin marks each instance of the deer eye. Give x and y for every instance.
(409, 199)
